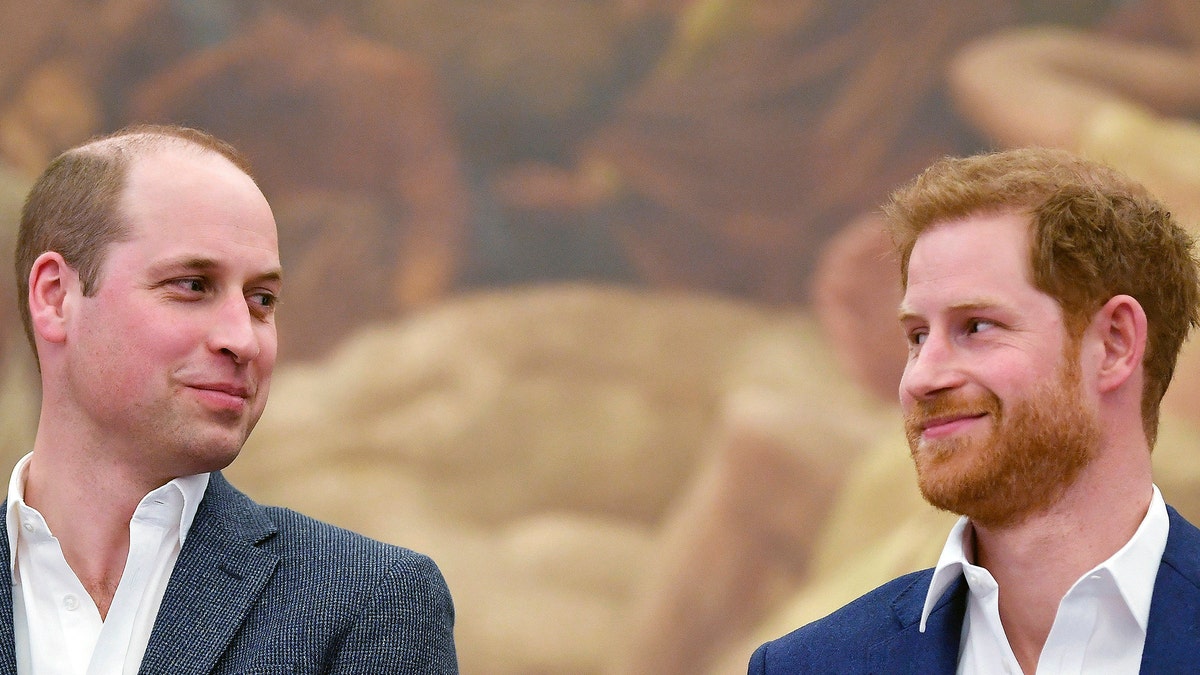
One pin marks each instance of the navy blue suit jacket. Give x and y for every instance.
(260, 590)
(880, 632)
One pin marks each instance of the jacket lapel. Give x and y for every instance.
(1173, 631)
(219, 575)
(1172, 634)
(8, 643)
(935, 650)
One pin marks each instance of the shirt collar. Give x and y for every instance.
(1133, 568)
(16, 496)
(188, 489)
(949, 566)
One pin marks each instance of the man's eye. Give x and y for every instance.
(264, 300)
(979, 325)
(917, 337)
(191, 285)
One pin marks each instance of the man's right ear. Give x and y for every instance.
(51, 282)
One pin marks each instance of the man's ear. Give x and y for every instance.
(1121, 326)
(51, 281)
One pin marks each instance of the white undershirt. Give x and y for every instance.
(1100, 626)
(57, 626)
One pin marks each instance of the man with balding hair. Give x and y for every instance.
(148, 271)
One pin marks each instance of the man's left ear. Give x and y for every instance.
(1121, 326)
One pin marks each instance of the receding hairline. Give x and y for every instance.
(139, 141)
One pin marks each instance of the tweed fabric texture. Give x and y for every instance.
(260, 590)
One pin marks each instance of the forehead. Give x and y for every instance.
(185, 196)
(974, 262)
(996, 243)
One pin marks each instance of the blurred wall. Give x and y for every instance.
(586, 298)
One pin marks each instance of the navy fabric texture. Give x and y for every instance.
(879, 632)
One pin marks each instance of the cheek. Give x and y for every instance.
(268, 344)
(131, 320)
(1019, 378)
(167, 339)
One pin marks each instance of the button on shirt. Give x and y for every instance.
(57, 626)
(1100, 626)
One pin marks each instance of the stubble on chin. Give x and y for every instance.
(191, 442)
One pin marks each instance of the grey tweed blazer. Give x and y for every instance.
(264, 590)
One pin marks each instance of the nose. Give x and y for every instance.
(931, 369)
(233, 331)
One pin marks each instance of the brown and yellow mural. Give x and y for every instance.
(587, 298)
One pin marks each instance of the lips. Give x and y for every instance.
(948, 414)
(229, 389)
(223, 396)
(944, 425)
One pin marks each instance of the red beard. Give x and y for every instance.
(1034, 452)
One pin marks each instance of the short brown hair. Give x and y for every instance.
(1095, 234)
(72, 208)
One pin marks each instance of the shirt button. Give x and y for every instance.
(71, 603)
(28, 527)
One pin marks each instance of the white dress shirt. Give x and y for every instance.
(1100, 626)
(57, 626)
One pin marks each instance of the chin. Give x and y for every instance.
(214, 455)
(944, 464)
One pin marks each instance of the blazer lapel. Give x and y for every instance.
(1173, 631)
(219, 575)
(931, 652)
(8, 643)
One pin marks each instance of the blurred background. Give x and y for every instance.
(588, 299)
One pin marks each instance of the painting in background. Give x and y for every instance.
(587, 298)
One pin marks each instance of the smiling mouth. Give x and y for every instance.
(225, 398)
(943, 420)
(234, 390)
(946, 425)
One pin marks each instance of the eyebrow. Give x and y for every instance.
(967, 305)
(202, 264)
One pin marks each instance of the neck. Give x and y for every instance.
(1095, 517)
(87, 504)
